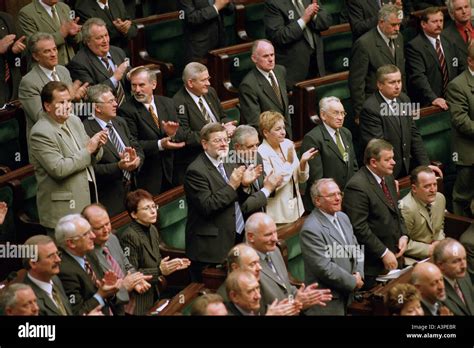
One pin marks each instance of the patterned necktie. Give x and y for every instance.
(468, 36)
(391, 45)
(204, 112)
(386, 192)
(57, 299)
(154, 116)
(442, 63)
(428, 208)
(55, 17)
(239, 218)
(340, 146)
(306, 32)
(273, 268)
(7, 71)
(112, 262)
(275, 87)
(119, 91)
(55, 76)
(118, 145)
(459, 292)
(91, 273)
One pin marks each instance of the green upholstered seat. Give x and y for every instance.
(230, 32)
(337, 51)
(334, 7)
(295, 258)
(239, 65)
(254, 21)
(233, 114)
(172, 223)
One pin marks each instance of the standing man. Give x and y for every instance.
(153, 122)
(459, 97)
(62, 155)
(264, 87)
(326, 232)
(459, 31)
(294, 27)
(371, 203)
(123, 156)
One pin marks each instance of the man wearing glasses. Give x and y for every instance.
(332, 256)
(336, 157)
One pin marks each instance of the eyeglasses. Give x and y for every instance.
(220, 140)
(332, 195)
(338, 113)
(84, 235)
(150, 207)
(111, 101)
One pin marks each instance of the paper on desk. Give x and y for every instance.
(163, 306)
(393, 274)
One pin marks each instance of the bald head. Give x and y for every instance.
(97, 216)
(244, 257)
(428, 279)
(261, 232)
(450, 256)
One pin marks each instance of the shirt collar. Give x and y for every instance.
(101, 123)
(243, 311)
(378, 178)
(47, 287)
(46, 7)
(388, 101)
(462, 27)
(432, 39)
(328, 216)
(80, 260)
(263, 72)
(451, 282)
(48, 72)
(101, 5)
(194, 96)
(433, 308)
(214, 161)
(331, 131)
(147, 105)
(384, 37)
(471, 71)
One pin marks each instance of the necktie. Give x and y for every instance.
(340, 146)
(306, 32)
(57, 299)
(118, 145)
(7, 71)
(273, 268)
(468, 36)
(459, 292)
(442, 63)
(338, 228)
(76, 144)
(428, 208)
(91, 273)
(386, 192)
(239, 218)
(275, 87)
(391, 45)
(55, 76)
(112, 262)
(204, 112)
(55, 17)
(119, 90)
(154, 116)
(108, 13)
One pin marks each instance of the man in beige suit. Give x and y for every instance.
(423, 211)
(62, 155)
(56, 18)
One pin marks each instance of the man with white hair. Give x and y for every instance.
(18, 299)
(460, 30)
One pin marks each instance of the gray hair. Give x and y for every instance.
(389, 9)
(151, 74)
(450, 6)
(324, 103)
(66, 228)
(242, 132)
(86, 28)
(192, 70)
(315, 190)
(37, 37)
(253, 223)
(39, 239)
(8, 296)
(94, 93)
(235, 254)
(439, 252)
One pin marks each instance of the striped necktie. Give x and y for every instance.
(239, 218)
(117, 144)
(119, 90)
(112, 262)
(275, 87)
(442, 63)
(203, 109)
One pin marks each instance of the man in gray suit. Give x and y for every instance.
(45, 53)
(332, 256)
(461, 104)
(261, 234)
(62, 155)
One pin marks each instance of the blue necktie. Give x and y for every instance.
(239, 218)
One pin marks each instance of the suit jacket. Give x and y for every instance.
(461, 104)
(60, 168)
(421, 229)
(45, 303)
(467, 240)
(33, 18)
(86, 67)
(210, 226)
(452, 34)
(203, 27)
(399, 130)
(425, 82)
(286, 205)
(363, 16)
(454, 302)
(328, 163)
(30, 91)
(144, 255)
(369, 53)
(320, 238)
(110, 179)
(143, 128)
(86, 9)
(377, 225)
(291, 47)
(256, 95)
(10, 58)
(191, 122)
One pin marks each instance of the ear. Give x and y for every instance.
(134, 215)
(265, 133)
(254, 58)
(232, 295)
(234, 266)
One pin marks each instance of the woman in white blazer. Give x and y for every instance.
(279, 156)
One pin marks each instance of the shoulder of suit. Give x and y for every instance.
(117, 50)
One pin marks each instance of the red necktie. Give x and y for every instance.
(386, 192)
(113, 263)
(91, 273)
(7, 71)
(442, 63)
(459, 292)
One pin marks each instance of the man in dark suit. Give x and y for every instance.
(84, 282)
(243, 292)
(204, 26)
(336, 156)
(371, 203)
(460, 30)
(152, 121)
(294, 26)
(264, 87)
(219, 195)
(432, 61)
(42, 277)
(10, 49)
(98, 62)
(123, 156)
(121, 29)
(388, 114)
(380, 46)
(197, 104)
(450, 256)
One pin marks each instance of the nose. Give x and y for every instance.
(259, 268)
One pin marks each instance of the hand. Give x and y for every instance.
(389, 261)
(398, 3)
(167, 144)
(96, 142)
(290, 157)
(109, 285)
(311, 296)
(230, 128)
(131, 280)
(19, 45)
(170, 127)
(441, 102)
(6, 42)
(251, 174)
(284, 307)
(359, 281)
(70, 28)
(3, 212)
(310, 12)
(220, 4)
(143, 286)
(129, 160)
(272, 181)
(437, 170)
(444, 311)
(402, 246)
(236, 178)
(168, 267)
(432, 246)
(78, 90)
(120, 71)
(307, 156)
(97, 311)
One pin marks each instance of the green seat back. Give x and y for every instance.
(239, 65)
(10, 154)
(187, 309)
(29, 186)
(404, 192)
(295, 258)
(337, 51)
(230, 32)
(334, 7)
(233, 114)
(254, 21)
(172, 223)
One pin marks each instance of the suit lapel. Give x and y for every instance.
(269, 272)
(429, 48)
(378, 189)
(451, 293)
(96, 128)
(95, 62)
(330, 142)
(146, 117)
(329, 227)
(266, 87)
(42, 297)
(209, 101)
(383, 47)
(45, 17)
(145, 240)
